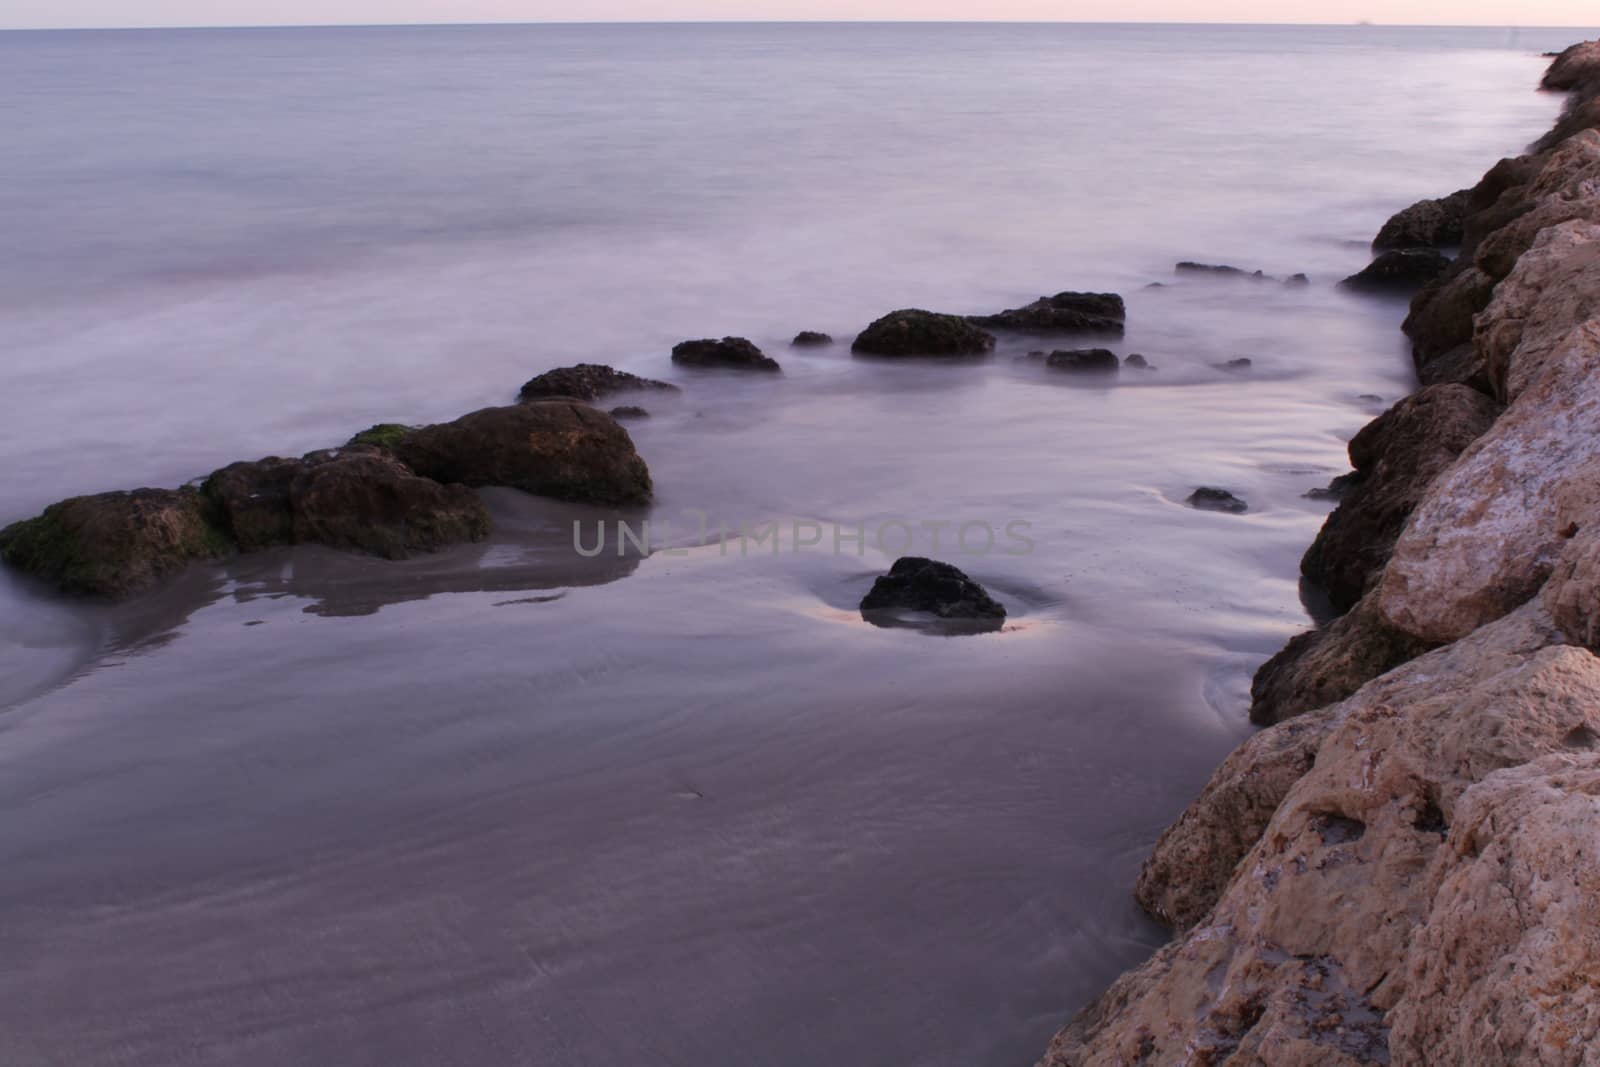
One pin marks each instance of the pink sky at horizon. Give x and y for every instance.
(107, 13)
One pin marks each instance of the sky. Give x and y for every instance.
(38, 14)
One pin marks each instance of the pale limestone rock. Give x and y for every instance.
(1305, 959)
(1554, 288)
(1486, 535)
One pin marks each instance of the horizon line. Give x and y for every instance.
(421, 24)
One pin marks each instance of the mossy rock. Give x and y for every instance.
(385, 435)
(114, 545)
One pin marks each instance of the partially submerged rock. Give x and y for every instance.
(1102, 313)
(731, 353)
(1396, 457)
(1137, 361)
(1219, 270)
(114, 545)
(1402, 271)
(1084, 360)
(629, 411)
(927, 586)
(811, 339)
(588, 381)
(1208, 498)
(553, 448)
(1426, 224)
(1242, 365)
(914, 332)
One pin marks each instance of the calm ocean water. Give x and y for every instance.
(507, 806)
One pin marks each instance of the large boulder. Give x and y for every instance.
(359, 498)
(1564, 189)
(1486, 535)
(588, 381)
(114, 545)
(1396, 457)
(1574, 68)
(730, 353)
(922, 585)
(1325, 665)
(1554, 288)
(1424, 893)
(1102, 313)
(1425, 224)
(915, 332)
(559, 449)
(1401, 270)
(1441, 317)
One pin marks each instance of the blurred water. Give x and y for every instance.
(508, 806)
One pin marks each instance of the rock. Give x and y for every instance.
(629, 411)
(1572, 595)
(1137, 362)
(1218, 270)
(1396, 457)
(550, 448)
(384, 435)
(810, 339)
(1486, 535)
(914, 332)
(1236, 366)
(733, 353)
(1063, 313)
(1084, 360)
(1462, 365)
(1208, 499)
(1337, 489)
(1574, 68)
(587, 381)
(1196, 856)
(1402, 270)
(372, 503)
(114, 545)
(1295, 281)
(1426, 224)
(1563, 190)
(357, 498)
(1326, 665)
(1417, 896)
(1554, 288)
(925, 585)
(1441, 317)
(1581, 113)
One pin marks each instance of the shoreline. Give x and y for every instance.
(1400, 867)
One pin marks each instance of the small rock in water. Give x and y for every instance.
(1335, 489)
(586, 381)
(1207, 498)
(810, 339)
(915, 584)
(733, 353)
(915, 332)
(1235, 366)
(1137, 362)
(629, 411)
(1089, 360)
(1297, 280)
(1062, 313)
(1402, 271)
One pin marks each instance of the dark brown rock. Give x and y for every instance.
(1102, 313)
(587, 381)
(629, 411)
(1441, 317)
(811, 339)
(915, 332)
(1396, 457)
(730, 353)
(1426, 224)
(1207, 498)
(550, 448)
(925, 585)
(1576, 67)
(1399, 271)
(114, 545)
(370, 502)
(1325, 665)
(1084, 361)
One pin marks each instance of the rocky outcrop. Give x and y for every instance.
(553, 448)
(1425, 224)
(1396, 458)
(1084, 361)
(810, 339)
(1575, 68)
(114, 545)
(914, 332)
(1102, 313)
(730, 353)
(1402, 270)
(924, 585)
(1404, 870)
(588, 382)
